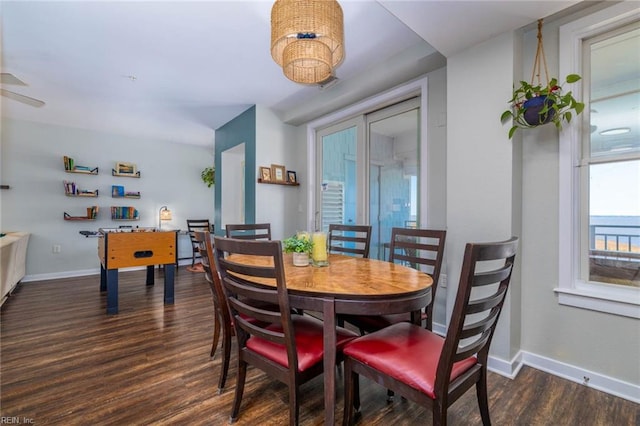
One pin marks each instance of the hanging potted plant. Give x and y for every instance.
(208, 176)
(536, 104)
(301, 246)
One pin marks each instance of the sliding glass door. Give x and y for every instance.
(368, 170)
(393, 148)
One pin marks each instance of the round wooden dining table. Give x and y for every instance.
(357, 286)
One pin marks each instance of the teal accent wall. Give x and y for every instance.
(241, 129)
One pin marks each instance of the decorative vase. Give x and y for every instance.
(532, 108)
(300, 259)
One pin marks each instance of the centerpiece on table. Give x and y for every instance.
(301, 246)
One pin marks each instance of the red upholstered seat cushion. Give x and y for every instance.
(309, 342)
(407, 353)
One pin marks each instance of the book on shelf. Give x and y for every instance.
(68, 163)
(117, 191)
(69, 187)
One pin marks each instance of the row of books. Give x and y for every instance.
(92, 212)
(70, 188)
(126, 213)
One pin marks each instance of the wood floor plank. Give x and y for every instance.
(64, 361)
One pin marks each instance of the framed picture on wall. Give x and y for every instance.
(291, 176)
(265, 174)
(277, 173)
(125, 168)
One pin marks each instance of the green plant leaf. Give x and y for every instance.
(572, 78)
(506, 115)
(512, 131)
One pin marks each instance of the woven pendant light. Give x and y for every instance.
(307, 38)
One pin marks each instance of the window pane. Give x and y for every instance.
(393, 177)
(614, 223)
(615, 93)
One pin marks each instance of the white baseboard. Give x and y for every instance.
(610, 385)
(510, 369)
(83, 273)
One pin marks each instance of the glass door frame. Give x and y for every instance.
(418, 87)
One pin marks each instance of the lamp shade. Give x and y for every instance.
(307, 38)
(164, 214)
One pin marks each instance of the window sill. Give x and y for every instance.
(603, 298)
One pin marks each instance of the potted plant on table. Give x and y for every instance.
(301, 246)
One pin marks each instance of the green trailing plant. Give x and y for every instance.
(208, 176)
(534, 105)
(298, 244)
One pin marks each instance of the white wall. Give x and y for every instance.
(599, 343)
(480, 167)
(276, 144)
(32, 164)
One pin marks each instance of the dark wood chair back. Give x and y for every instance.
(426, 368)
(194, 225)
(421, 249)
(222, 317)
(350, 239)
(252, 275)
(249, 231)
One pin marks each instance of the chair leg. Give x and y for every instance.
(242, 375)
(226, 357)
(294, 408)
(351, 386)
(216, 335)
(483, 399)
(439, 414)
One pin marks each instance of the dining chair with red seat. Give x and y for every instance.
(421, 249)
(287, 346)
(353, 240)
(426, 368)
(248, 231)
(222, 318)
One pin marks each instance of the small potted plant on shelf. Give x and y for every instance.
(301, 246)
(532, 106)
(208, 176)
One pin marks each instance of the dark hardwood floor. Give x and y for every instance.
(64, 361)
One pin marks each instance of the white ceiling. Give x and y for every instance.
(177, 70)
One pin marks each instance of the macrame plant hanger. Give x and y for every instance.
(539, 60)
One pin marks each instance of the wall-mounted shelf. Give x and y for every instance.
(71, 190)
(84, 171)
(130, 175)
(92, 213)
(93, 194)
(279, 183)
(117, 191)
(70, 166)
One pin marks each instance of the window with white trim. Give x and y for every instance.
(600, 164)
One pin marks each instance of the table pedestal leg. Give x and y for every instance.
(112, 291)
(169, 274)
(329, 319)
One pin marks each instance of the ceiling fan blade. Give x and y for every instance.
(22, 98)
(8, 78)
